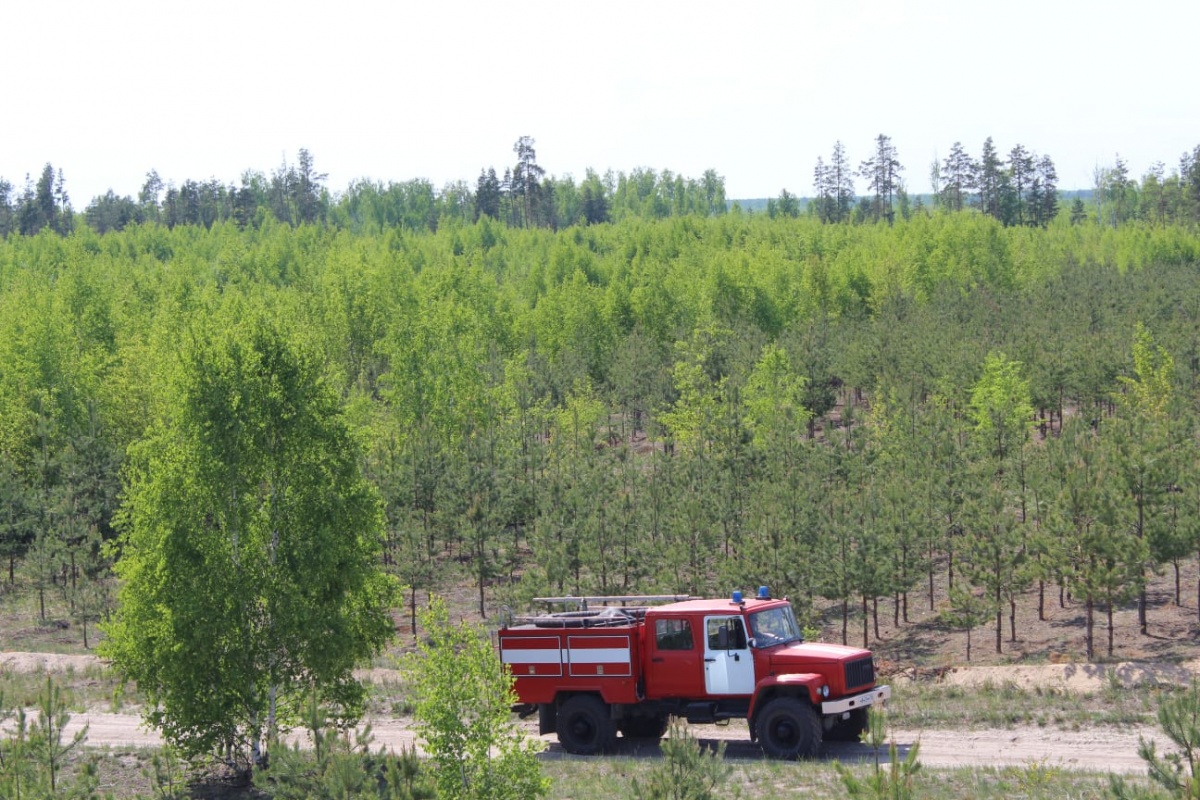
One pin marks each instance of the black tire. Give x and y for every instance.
(789, 728)
(585, 726)
(643, 727)
(849, 730)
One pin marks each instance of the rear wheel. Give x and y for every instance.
(849, 730)
(585, 726)
(643, 727)
(789, 728)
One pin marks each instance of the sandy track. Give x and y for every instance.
(1102, 749)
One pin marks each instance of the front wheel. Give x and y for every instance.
(789, 728)
(585, 726)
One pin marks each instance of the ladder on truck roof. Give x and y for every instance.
(629, 609)
(605, 600)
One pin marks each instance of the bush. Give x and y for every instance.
(687, 770)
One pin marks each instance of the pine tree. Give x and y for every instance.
(988, 180)
(1178, 772)
(687, 771)
(526, 183)
(841, 175)
(1021, 175)
(882, 173)
(823, 190)
(958, 178)
(1044, 196)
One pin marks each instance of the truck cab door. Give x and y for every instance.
(675, 658)
(728, 662)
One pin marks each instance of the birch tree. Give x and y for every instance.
(249, 551)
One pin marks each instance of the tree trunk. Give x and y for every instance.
(482, 610)
(412, 610)
(1041, 601)
(999, 619)
(845, 621)
(272, 695)
(1110, 628)
(1141, 531)
(1089, 625)
(931, 581)
(866, 621)
(256, 751)
(1012, 620)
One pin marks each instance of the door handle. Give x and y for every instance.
(710, 660)
(658, 660)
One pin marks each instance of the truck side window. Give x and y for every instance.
(673, 634)
(735, 632)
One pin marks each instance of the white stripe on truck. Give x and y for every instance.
(605, 655)
(545, 650)
(532, 656)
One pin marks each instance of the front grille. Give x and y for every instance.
(860, 673)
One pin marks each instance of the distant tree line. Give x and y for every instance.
(1020, 189)
(522, 196)
(42, 204)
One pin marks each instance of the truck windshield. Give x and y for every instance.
(774, 626)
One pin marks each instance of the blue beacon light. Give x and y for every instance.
(764, 593)
(737, 597)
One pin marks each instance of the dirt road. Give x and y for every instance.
(1101, 749)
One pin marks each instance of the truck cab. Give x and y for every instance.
(703, 660)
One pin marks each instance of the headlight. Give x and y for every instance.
(824, 691)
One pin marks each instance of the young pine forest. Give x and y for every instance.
(915, 406)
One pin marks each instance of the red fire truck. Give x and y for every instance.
(621, 664)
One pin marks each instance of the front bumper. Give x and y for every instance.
(879, 694)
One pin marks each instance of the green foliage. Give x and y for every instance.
(774, 397)
(700, 387)
(965, 610)
(678, 399)
(166, 774)
(463, 696)
(34, 755)
(1179, 771)
(336, 766)
(687, 771)
(1000, 405)
(896, 782)
(1149, 392)
(250, 551)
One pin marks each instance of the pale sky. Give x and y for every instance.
(757, 91)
